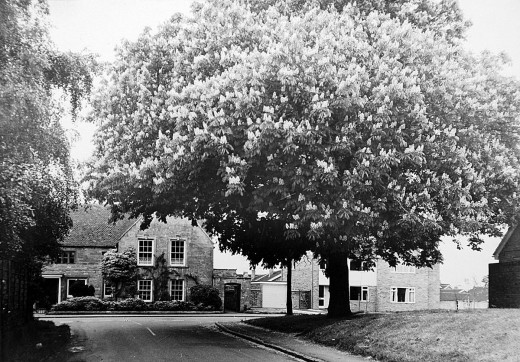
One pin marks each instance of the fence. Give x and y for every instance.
(13, 299)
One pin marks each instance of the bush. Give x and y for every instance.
(132, 304)
(96, 304)
(80, 304)
(206, 295)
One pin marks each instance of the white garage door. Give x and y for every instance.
(274, 295)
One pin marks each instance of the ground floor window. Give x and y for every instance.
(402, 295)
(321, 296)
(108, 290)
(359, 293)
(72, 283)
(144, 290)
(177, 289)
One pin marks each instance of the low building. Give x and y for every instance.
(504, 276)
(384, 288)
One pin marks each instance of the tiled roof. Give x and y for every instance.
(91, 227)
(275, 276)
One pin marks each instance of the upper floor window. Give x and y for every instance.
(66, 257)
(356, 265)
(144, 290)
(402, 295)
(323, 264)
(145, 252)
(177, 289)
(404, 268)
(178, 252)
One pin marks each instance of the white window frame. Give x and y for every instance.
(172, 241)
(363, 289)
(404, 269)
(140, 289)
(409, 297)
(183, 289)
(321, 296)
(105, 286)
(139, 252)
(68, 284)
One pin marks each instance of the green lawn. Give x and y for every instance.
(474, 335)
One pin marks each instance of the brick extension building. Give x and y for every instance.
(504, 276)
(187, 249)
(383, 289)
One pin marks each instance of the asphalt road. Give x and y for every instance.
(160, 338)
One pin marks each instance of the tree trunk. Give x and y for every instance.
(337, 270)
(289, 288)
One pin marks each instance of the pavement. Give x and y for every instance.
(287, 343)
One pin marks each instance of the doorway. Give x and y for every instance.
(232, 297)
(51, 293)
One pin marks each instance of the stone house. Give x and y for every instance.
(180, 252)
(504, 276)
(382, 289)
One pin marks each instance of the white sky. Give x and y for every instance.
(99, 25)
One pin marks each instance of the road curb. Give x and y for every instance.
(266, 344)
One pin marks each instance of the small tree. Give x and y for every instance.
(119, 269)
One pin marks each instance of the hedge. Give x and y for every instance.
(96, 304)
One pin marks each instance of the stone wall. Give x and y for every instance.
(221, 277)
(198, 268)
(87, 265)
(426, 282)
(504, 285)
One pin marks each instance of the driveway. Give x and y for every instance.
(160, 338)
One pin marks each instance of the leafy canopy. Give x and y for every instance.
(360, 131)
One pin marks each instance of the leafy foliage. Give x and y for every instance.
(120, 270)
(131, 304)
(37, 188)
(366, 133)
(206, 295)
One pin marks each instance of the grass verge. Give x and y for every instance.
(430, 336)
(38, 341)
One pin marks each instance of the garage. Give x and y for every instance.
(274, 295)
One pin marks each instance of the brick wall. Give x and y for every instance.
(87, 265)
(504, 285)
(305, 277)
(199, 249)
(426, 282)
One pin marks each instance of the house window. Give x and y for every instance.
(410, 269)
(321, 296)
(73, 281)
(145, 252)
(177, 253)
(66, 257)
(177, 289)
(108, 290)
(144, 290)
(359, 293)
(403, 295)
(323, 264)
(356, 265)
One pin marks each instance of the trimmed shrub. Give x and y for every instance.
(80, 304)
(206, 295)
(132, 304)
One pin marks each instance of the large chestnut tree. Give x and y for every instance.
(368, 132)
